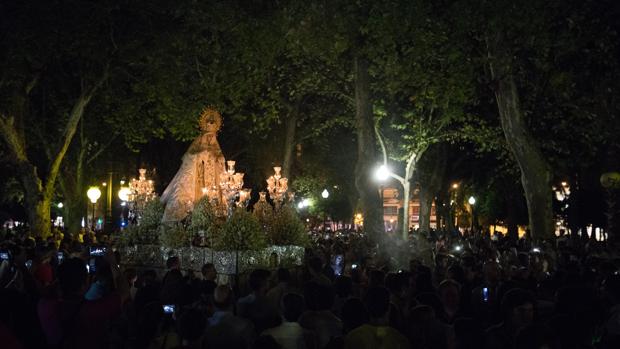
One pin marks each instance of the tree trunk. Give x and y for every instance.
(431, 176)
(36, 201)
(426, 204)
(511, 220)
(289, 142)
(406, 200)
(72, 185)
(535, 172)
(366, 152)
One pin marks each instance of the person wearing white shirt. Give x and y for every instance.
(289, 334)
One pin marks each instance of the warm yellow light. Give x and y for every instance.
(455, 186)
(472, 200)
(359, 219)
(564, 184)
(124, 193)
(93, 194)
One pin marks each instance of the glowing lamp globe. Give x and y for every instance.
(93, 194)
(382, 173)
(124, 193)
(325, 194)
(472, 200)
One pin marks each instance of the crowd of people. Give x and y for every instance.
(454, 291)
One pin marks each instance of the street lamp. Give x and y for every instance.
(124, 193)
(472, 202)
(60, 205)
(93, 195)
(324, 195)
(382, 173)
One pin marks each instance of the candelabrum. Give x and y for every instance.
(141, 191)
(277, 187)
(231, 184)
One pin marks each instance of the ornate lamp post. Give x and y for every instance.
(472, 202)
(277, 186)
(324, 195)
(93, 195)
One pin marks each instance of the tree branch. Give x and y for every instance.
(101, 149)
(381, 142)
(10, 135)
(71, 127)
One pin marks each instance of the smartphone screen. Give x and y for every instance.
(485, 294)
(338, 264)
(60, 257)
(96, 251)
(168, 308)
(92, 267)
(28, 263)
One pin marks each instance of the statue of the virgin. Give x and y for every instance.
(200, 171)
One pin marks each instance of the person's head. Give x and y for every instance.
(491, 272)
(324, 297)
(397, 283)
(343, 286)
(456, 273)
(72, 277)
(535, 337)
(354, 314)
(284, 276)
(518, 307)
(209, 272)
(259, 281)
(377, 302)
(131, 275)
(223, 298)
(468, 333)
(173, 262)
(421, 319)
(292, 306)
(315, 264)
(148, 277)
(611, 286)
(450, 294)
(376, 278)
(190, 325)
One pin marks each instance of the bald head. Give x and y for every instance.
(222, 297)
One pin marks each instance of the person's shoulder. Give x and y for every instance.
(365, 328)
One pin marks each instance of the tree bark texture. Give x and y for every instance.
(430, 179)
(366, 152)
(535, 172)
